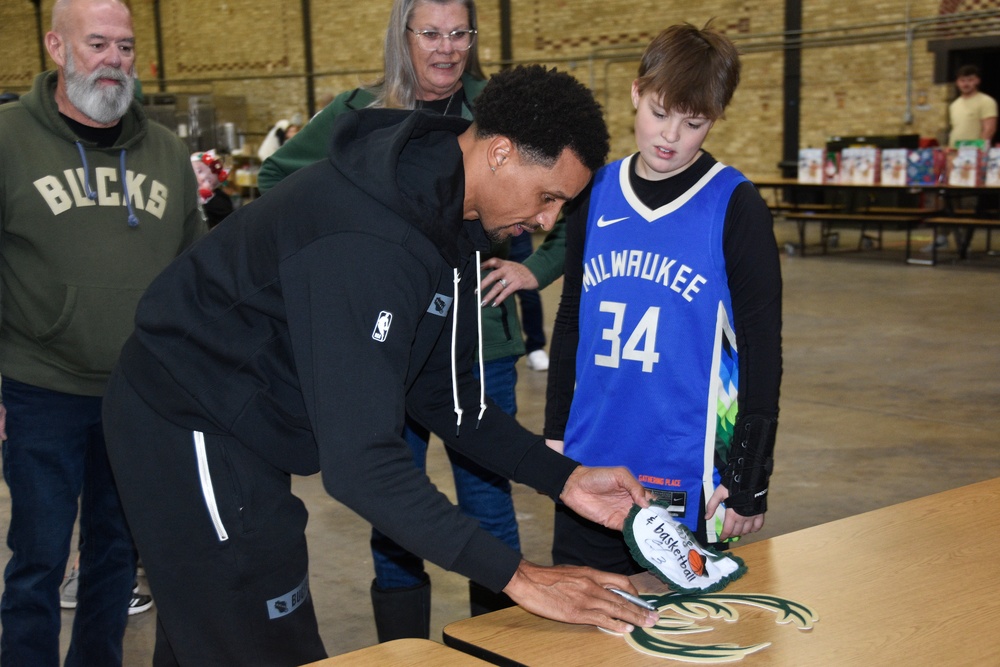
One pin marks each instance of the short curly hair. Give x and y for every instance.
(543, 112)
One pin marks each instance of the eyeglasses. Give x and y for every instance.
(432, 40)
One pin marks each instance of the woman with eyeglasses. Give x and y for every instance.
(431, 63)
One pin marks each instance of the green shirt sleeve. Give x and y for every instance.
(546, 263)
(307, 146)
(311, 143)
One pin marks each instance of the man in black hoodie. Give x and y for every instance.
(294, 339)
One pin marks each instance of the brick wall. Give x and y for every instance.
(253, 48)
(18, 35)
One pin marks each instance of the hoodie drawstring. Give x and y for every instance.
(454, 337)
(479, 346)
(479, 338)
(133, 220)
(87, 190)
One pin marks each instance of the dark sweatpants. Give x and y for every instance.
(228, 591)
(577, 541)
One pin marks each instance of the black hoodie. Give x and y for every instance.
(309, 321)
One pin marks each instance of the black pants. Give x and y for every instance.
(577, 541)
(221, 537)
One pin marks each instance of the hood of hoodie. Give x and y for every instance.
(40, 102)
(411, 162)
(369, 144)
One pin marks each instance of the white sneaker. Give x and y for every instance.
(538, 361)
(67, 591)
(940, 242)
(139, 603)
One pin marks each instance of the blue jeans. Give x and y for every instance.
(482, 495)
(54, 457)
(530, 300)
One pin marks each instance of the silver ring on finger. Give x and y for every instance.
(503, 282)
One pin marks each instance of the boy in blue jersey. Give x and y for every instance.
(666, 353)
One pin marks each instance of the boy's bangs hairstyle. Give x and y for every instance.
(691, 70)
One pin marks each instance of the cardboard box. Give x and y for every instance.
(893, 169)
(859, 165)
(831, 167)
(811, 165)
(992, 167)
(965, 169)
(925, 166)
(848, 160)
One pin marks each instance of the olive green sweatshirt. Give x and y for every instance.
(83, 231)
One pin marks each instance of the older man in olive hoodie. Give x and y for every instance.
(94, 201)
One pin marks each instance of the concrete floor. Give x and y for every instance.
(890, 392)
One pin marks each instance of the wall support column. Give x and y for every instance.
(792, 89)
(307, 47)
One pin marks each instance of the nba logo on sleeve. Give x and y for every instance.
(381, 331)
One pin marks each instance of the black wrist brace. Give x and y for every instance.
(750, 464)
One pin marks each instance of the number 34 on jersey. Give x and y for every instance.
(639, 344)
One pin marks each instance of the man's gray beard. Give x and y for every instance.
(104, 105)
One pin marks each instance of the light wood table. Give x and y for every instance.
(910, 187)
(913, 584)
(403, 653)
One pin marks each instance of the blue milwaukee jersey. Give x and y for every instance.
(657, 362)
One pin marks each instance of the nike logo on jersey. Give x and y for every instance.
(601, 222)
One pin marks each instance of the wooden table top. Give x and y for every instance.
(780, 182)
(403, 653)
(912, 584)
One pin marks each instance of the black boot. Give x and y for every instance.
(402, 613)
(482, 600)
